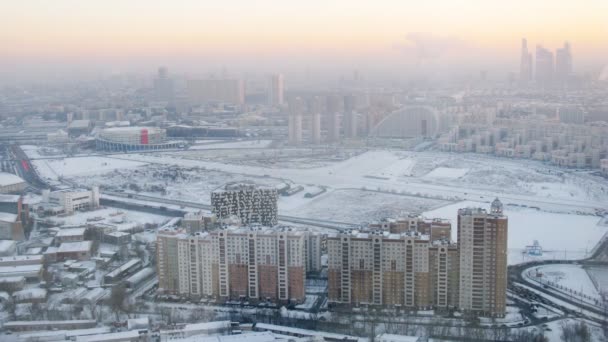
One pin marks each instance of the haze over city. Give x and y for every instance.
(385, 37)
(304, 171)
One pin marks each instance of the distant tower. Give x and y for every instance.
(545, 67)
(296, 108)
(334, 107)
(563, 63)
(315, 110)
(275, 90)
(350, 116)
(525, 66)
(163, 86)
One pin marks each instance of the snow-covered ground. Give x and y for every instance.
(122, 219)
(566, 278)
(446, 173)
(236, 144)
(358, 206)
(562, 236)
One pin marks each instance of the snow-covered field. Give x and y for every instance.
(562, 236)
(446, 173)
(229, 145)
(541, 200)
(357, 206)
(514, 181)
(80, 166)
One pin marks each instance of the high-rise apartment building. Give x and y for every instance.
(437, 229)
(167, 260)
(525, 66)
(216, 90)
(235, 264)
(250, 203)
(275, 90)
(482, 248)
(397, 263)
(380, 268)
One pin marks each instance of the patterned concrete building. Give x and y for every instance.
(250, 203)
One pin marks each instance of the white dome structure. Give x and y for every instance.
(408, 122)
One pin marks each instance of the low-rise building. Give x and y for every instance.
(69, 235)
(11, 184)
(123, 271)
(19, 260)
(11, 227)
(117, 238)
(29, 272)
(74, 250)
(7, 248)
(68, 201)
(12, 284)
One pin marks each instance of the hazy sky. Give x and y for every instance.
(124, 34)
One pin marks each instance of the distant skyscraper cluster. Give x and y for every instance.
(549, 69)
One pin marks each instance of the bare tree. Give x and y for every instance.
(528, 336)
(575, 332)
(119, 301)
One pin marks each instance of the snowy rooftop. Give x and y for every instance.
(130, 129)
(22, 258)
(396, 338)
(117, 234)
(70, 232)
(9, 179)
(118, 336)
(123, 267)
(12, 279)
(9, 198)
(385, 235)
(207, 326)
(69, 247)
(247, 337)
(80, 124)
(8, 217)
(18, 270)
(305, 332)
(5, 245)
(34, 292)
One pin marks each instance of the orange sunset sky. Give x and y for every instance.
(288, 32)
